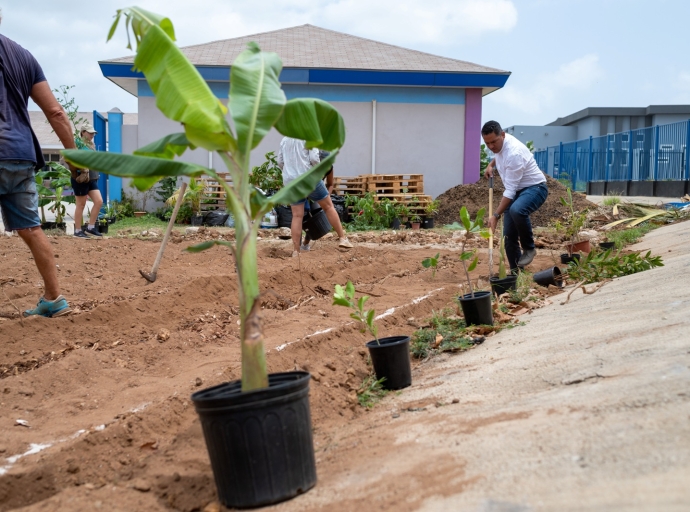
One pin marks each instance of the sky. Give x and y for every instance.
(564, 55)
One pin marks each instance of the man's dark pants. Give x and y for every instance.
(517, 227)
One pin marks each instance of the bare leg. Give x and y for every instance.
(332, 216)
(95, 196)
(296, 226)
(80, 202)
(45, 260)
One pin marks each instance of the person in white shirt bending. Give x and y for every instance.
(525, 191)
(295, 159)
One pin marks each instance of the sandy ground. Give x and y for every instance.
(584, 407)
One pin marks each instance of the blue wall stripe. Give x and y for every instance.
(348, 93)
(220, 89)
(382, 94)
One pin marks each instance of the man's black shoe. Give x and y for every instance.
(94, 232)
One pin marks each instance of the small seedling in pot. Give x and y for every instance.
(472, 227)
(431, 262)
(346, 297)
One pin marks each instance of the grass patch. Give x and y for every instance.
(522, 288)
(629, 236)
(370, 392)
(450, 327)
(612, 200)
(139, 223)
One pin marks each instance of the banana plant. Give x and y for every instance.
(256, 104)
(59, 177)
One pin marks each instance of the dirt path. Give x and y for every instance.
(105, 391)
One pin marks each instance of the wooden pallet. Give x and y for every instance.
(214, 197)
(380, 184)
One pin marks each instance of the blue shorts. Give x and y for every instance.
(18, 197)
(319, 194)
(83, 189)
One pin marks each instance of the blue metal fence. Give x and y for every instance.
(653, 153)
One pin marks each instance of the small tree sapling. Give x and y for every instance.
(431, 262)
(346, 297)
(472, 227)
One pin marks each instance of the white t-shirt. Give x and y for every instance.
(295, 159)
(517, 167)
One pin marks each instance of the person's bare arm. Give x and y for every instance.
(330, 181)
(54, 112)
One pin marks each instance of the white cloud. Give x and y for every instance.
(551, 87)
(69, 40)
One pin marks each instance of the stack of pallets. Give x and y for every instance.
(403, 188)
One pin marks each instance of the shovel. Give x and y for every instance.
(491, 233)
(151, 276)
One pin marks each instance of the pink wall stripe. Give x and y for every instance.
(473, 126)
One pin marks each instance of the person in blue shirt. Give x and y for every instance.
(21, 78)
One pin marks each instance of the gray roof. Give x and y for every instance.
(47, 137)
(307, 46)
(621, 111)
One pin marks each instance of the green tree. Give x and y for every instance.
(65, 98)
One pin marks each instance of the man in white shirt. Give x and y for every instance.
(525, 191)
(295, 159)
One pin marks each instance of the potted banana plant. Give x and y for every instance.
(252, 466)
(476, 306)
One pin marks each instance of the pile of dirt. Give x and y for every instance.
(476, 196)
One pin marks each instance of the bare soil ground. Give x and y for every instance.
(103, 394)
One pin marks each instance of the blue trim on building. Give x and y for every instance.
(295, 76)
(115, 122)
(341, 76)
(382, 94)
(100, 141)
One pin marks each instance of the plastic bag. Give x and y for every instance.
(215, 218)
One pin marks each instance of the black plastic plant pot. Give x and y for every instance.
(103, 227)
(259, 442)
(501, 285)
(477, 309)
(284, 216)
(391, 360)
(550, 276)
(395, 224)
(197, 220)
(567, 258)
(428, 223)
(607, 245)
(316, 224)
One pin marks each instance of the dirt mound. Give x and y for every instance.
(476, 196)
